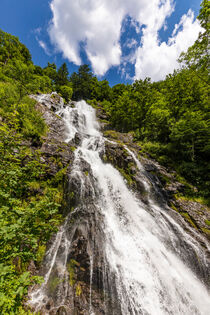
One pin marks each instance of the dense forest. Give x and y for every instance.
(170, 119)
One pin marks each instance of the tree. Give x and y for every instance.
(101, 90)
(51, 71)
(12, 49)
(62, 75)
(66, 92)
(22, 74)
(118, 90)
(82, 83)
(197, 56)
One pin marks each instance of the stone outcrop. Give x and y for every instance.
(82, 225)
(167, 187)
(59, 157)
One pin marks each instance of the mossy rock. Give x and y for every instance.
(206, 231)
(53, 284)
(111, 134)
(189, 219)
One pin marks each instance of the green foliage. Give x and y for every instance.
(31, 121)
(11, 48)
(29, 214)
(66, 92)
(61, 77)
(171, 120)
(197, 56)
(82, 83)
(207, 222)
(21, 114)
(13, 288)
(71, 266)
(50, 71)
(100, 90)
(29, 199)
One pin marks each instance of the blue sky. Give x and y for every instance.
(121, 41)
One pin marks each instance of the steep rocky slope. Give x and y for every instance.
(85, 288)
(166, 181)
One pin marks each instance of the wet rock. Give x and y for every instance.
(77, 139)
(165, 186)
(85, 281)
(63, 310)
(32, 268)
(85, 167)
(196, 214)
(150, 167)
(117, 155)
(55, 123)
(100, 113)
(72, 104)
(174, 188)
(126, 138)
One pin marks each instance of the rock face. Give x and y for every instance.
(82, 229)
(77, 276)
(167, 188)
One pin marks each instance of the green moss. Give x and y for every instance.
(193, 198)
(206, 231)
(34, 185)
(71, 195)
(40, 253)
(207, 222)
(71, 269)
(54, 97)
(73, 148)
(53, 159)
(86, 173)
(111, 134)
(105, 158)
(130, 165)
(53, 283)
(173, 207)
(104, 121)
(60, 149)
(78, 290)
(164, 178)
(59, 176)
(188, 218)
(126, 176)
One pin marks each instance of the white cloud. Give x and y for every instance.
(130, 43)
(38, 30)
(43, 45)
(97, 24)
(156, 60)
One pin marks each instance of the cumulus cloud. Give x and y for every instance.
(155, 59)
(97, 26)
(96, 23)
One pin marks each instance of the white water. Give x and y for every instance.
(141, 249)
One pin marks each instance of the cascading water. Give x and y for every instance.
(147, 264)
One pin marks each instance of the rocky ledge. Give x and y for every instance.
(59, 157)
(168, 188)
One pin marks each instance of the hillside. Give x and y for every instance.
(46, 185)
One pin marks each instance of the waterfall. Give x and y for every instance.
(146, 263)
